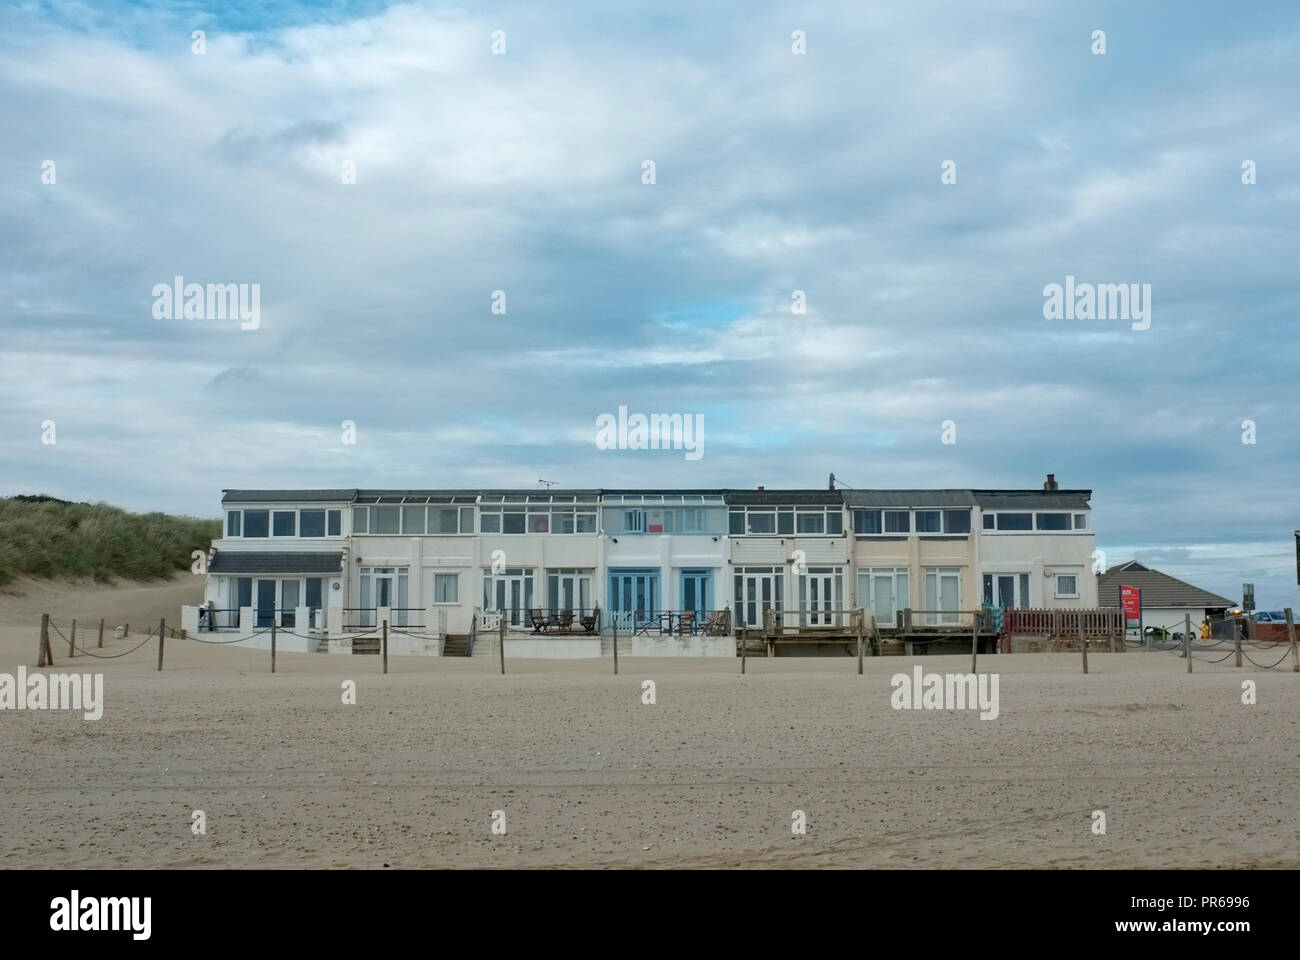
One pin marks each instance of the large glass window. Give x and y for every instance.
(867, 521)
(942, 595)
(1053, 521)
(232, 523)
(413, 520)
(885, 591)
(762, 522)
(360, 519)
(512, 521)
(929, 521)
(284, 523)
(385, 520)
(956, 521)
(311, 523)
(811, 522)
(335, 522)
(1015, 521)
(898, 521)
(257, 523)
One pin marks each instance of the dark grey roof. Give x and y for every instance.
(285, 496)
(909, 498)
(765, 497)
(281, 561)
(1159, 590)
(1033, 499)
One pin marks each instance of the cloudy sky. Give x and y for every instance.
(774, 172)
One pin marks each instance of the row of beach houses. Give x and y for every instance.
(325, 565)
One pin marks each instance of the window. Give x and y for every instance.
(334, 521)
(385, 520)
(490, 522)
(512, 521)
(1067, 585)
(284, 523)
(584, 521)
(835, 521)
(762, 522)
(446, 588)
(811, 522)
(1081, 521)
(956, 521)
(466, 519)
(633, 521)
(884, 590)
(413, 520)
(942, 595)
(1053, 521)
(785, 522)
(929, 521)
(1015, 521)
(539, 521)
(736, 523)
(989, 520)
(232, 523)
(898, 521)
(360, 519)
(311, 523)
(444, 520)
(257, 523)
(866, 521)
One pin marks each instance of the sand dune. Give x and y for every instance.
(588, 775)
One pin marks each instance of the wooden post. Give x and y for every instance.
(501, 641)
(744, 644)
(72, 640)
(43, 658)
(273, 646)
(385, 643)
(1187, 640)
(1236, 632)
(1290, 631)
(101, 633)
(126, 631)
(1083, 643)
(974, 641)
(862, 620)
(616, 644)
(162, 630)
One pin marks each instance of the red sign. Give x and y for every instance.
(1130, 598)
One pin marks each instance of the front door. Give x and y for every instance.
(697, 592)
(265, 603)
(820, 596)
(288, 603)
(633, 596)
(756, 591)
(509, 593)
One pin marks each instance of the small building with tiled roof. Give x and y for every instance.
(1166, 600)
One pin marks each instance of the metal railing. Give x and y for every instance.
(545, 620)
(646, 623)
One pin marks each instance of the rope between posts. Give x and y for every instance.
(217, 643)
(1271, 665)
(104, 656)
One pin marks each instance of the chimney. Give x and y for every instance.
(1051, 483)
(762, 488)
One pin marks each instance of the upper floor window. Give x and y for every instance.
(536, 518)
(284, 523)
(1022, 521)
(786, 521)
(926, 521)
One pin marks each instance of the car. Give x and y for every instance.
(1268, 616)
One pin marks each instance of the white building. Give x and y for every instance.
(431, 562)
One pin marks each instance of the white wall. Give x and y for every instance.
(1038, 554)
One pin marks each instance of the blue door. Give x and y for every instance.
(633, 595)
(697, 592)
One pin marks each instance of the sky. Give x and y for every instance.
(379, 172)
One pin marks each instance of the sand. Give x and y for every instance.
(587, 775)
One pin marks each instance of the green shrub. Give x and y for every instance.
(45, 537)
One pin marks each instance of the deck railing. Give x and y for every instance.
(1064, 623)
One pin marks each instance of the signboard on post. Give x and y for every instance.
(1130, 598)
(1248, 597)
(1297, 556)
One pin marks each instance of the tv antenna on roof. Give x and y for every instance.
(547, 484)
(834, 480)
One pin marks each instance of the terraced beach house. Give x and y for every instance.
(439, 564)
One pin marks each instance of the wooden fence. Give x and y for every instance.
(1064, 623)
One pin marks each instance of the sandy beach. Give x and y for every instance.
(588, 775)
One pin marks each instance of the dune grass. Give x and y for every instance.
(45, 537)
